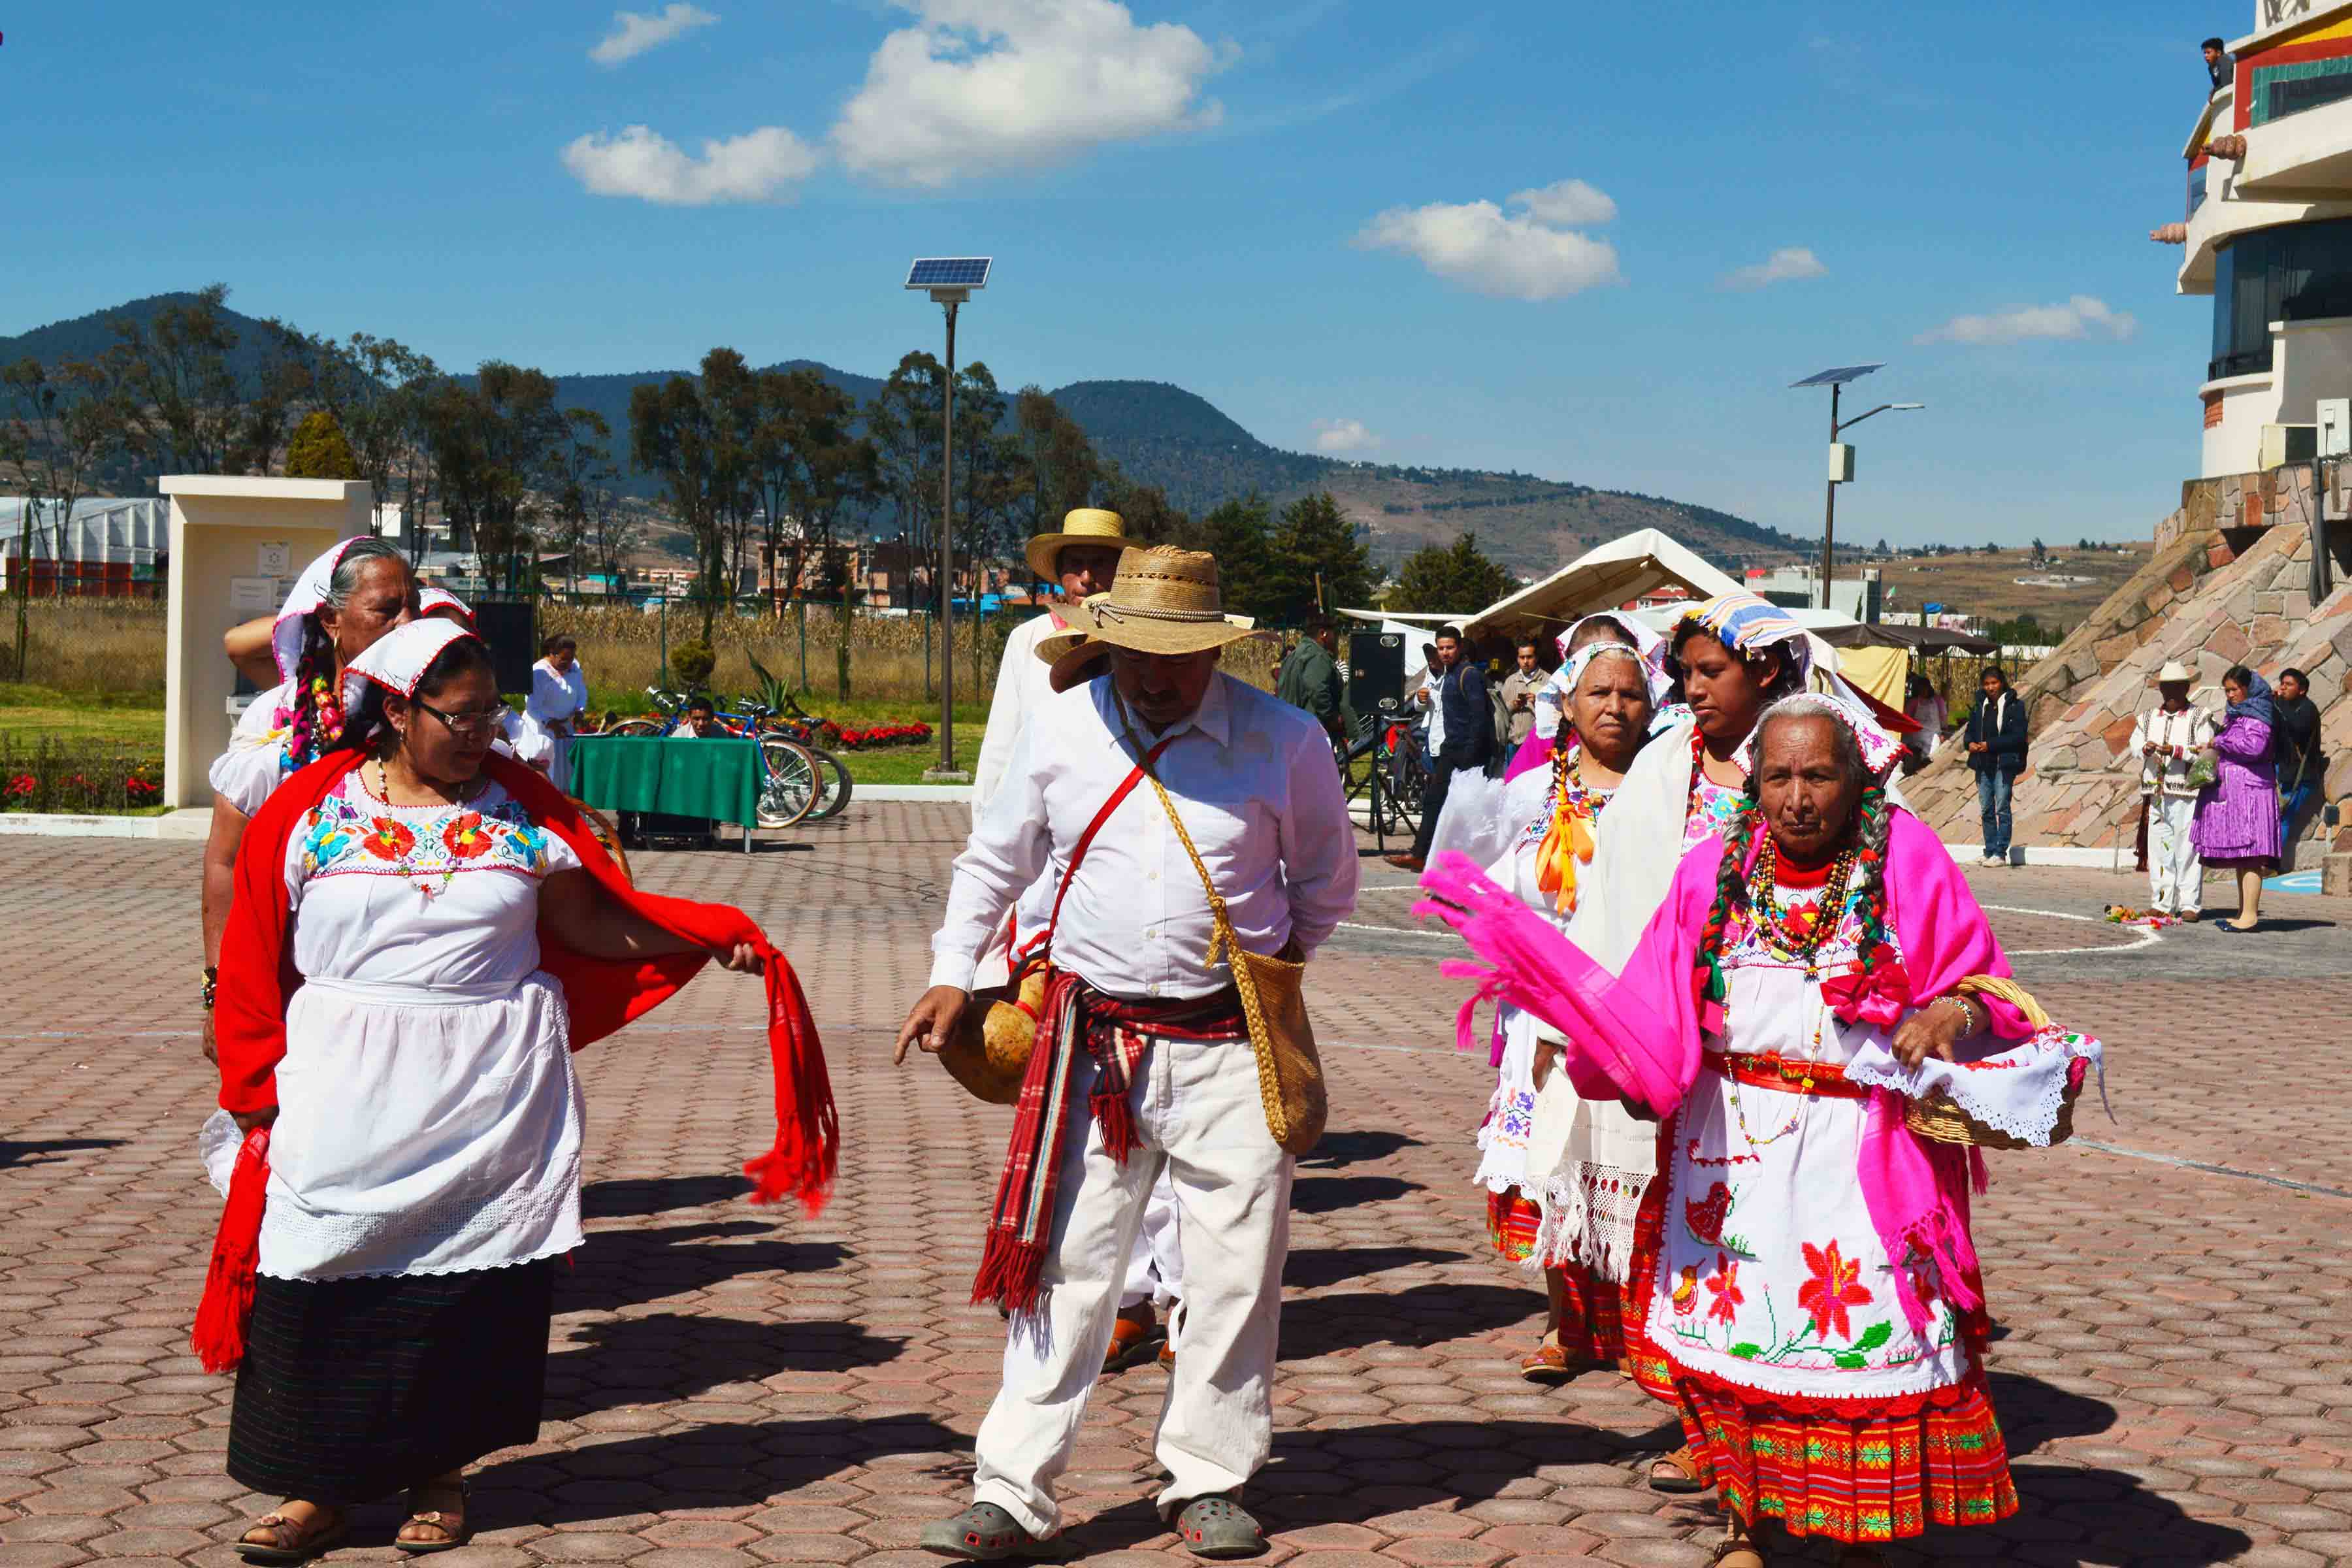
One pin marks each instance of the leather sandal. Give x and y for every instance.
(1219, 1527)
(1130, 1338)
(296, 1542)
(1736, 1551)
(452, 1524)
(1676, 1474)
(1548, 1363)
(986, 1533)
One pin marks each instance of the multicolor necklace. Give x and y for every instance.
(384, 791)
(1791, 933)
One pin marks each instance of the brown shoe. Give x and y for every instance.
(1406, 862)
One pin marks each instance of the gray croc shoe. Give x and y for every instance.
(986, 1533)
(1217, 1527)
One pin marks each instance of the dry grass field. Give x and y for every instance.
(1987, 585)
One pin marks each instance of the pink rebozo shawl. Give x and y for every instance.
(1638, 1035)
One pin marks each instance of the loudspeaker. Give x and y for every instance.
(1376, 672)
(506, 626)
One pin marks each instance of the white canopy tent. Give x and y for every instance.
(1602, 578)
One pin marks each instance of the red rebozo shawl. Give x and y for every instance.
(257, 978)
(1638, 1035)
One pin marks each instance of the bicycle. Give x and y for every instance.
(797, 724)
(790, 781)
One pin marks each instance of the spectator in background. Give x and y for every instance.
(1310, 677)
(2219, 67)
(700, 722)
(2237, 826)
(557, 708)
(1461, 735)
(2302, 766)
(2169, 738)
(1923, 706)
(1995, 739)
(1519, 689)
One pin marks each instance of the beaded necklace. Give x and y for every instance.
(1777, 926)
(383, 789)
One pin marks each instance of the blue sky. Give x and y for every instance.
(1274, 204)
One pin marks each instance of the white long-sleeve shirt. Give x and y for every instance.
(2191, 731)
(556, 697)
(1252, 777)
(1023, 683)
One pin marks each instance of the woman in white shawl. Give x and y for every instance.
(1554, 814)
(1590, 1162)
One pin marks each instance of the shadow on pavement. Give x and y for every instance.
(31, 1152)
(2033, 1413)
(624, 1267)
(721, 1465)
(653, 1361)
(1423, 1315)
(1327, 1194)
(1313, 1268)
(1342, 1149)
(657, 1194)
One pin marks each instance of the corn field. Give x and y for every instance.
(117, 646)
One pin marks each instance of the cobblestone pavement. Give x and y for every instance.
(733, 1386)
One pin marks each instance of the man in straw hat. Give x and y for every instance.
(1142, 1061)
(2168, 738)
(1083, 558)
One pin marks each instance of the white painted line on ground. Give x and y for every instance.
(1400, 931)
(2148, 938)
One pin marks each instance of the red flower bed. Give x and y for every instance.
(876, 735)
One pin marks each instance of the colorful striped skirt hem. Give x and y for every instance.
(1511, 1220)
(1853, 1479)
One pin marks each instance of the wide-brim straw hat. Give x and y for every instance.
(1164, 601)
(2174, 671)
(1085, 525)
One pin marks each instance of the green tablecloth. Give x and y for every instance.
(682, 776)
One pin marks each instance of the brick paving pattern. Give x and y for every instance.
(733, 1386)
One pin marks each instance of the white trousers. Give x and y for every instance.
(1199, 1118)
(2176, 877)
(1155, 1269)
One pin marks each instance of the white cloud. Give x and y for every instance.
(1565, 202)
(1786, 265)
(1515, 255)
(633, 33)
(2080, 317)
(1344, 437)
(757, 166)
(979, 86)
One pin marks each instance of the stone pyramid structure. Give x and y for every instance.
(2229, 585)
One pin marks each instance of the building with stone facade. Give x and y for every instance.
(2252, 568)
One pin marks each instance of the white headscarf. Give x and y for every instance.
(309, 594)
(1649, 646)
(1880, 749)
(429, 599)
(399, 658)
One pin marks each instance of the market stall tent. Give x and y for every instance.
(1603, 578)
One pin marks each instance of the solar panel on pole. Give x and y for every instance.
(1839, 375)
(949, 272)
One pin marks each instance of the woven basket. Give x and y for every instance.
(609, 836)
(1940, 1119)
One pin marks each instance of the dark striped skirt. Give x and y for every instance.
(354, 1389)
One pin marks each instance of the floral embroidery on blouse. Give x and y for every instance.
(341, 837)
(1714, 808)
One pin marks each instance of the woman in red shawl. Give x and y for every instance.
(421, 933)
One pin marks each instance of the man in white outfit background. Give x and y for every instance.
(1082, 559)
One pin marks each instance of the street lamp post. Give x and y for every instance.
(950, 282)
(1840, 457)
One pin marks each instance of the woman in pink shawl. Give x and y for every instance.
(1805, 1291)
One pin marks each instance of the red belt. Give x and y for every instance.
(1769, 1069)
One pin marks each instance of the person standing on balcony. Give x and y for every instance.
(1996, 740)
(2219, 66)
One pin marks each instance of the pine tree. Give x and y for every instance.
(1457, 579)
(1240, 534)
(1315, 539)
(319, 450)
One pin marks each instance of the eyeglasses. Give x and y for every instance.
(473, 726)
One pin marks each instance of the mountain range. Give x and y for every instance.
(1166, 436)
